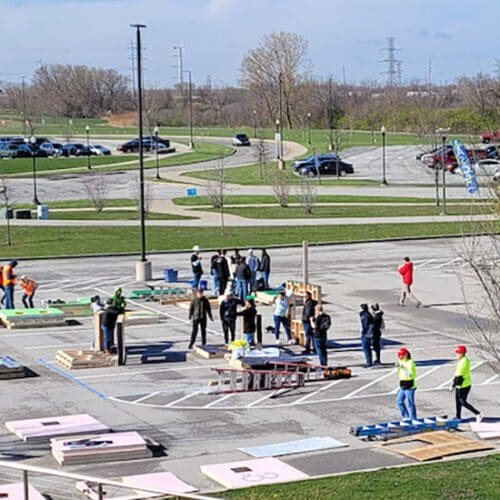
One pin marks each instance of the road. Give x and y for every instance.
(170, 402)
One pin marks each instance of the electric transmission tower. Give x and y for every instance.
(393, 70)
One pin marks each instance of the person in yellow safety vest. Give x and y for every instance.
(9, 281)
(407, 374)
(29, 287)
(462, 384)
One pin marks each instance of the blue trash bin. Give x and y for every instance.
(170, 275)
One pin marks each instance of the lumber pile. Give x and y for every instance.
(141, 317)
(29, 318)
(211, 351)
(299, 289)
(10, 368)
(42, 429)
(99, 448)
(297, 329)
(71, 308)
(85, 359)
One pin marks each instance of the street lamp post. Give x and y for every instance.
(32, 141)
(143, 267)
(254, 123)
(443, 146)
(87, 130)
(309, 128)
(190, 84)
(156, 131)
(383, 132)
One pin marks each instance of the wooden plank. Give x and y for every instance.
(211, 351)
(85, 359)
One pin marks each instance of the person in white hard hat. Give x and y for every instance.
(196, 266)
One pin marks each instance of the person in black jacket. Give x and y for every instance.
(249, 313)
(196, 266)
(108, 322)
(322, 323)
(366, 334)
(222, 269)
(243, 276)
(377, 326)
(307, 316)
(265, 268)
(227, 313)
(199, 309)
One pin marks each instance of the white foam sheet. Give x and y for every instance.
(485, 426)
(291, 447)
(163, 481)
(15, 491)
(114, 440)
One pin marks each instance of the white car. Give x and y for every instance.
(241, 140)
(487, 167)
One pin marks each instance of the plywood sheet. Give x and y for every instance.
(291, 447)
(252, 473)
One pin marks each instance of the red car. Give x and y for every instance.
(488, 137)
(450, 161)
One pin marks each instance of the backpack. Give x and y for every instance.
(324, 323)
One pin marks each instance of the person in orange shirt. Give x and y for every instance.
(29, 287)
(8, 282)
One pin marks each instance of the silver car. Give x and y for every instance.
(6, 152)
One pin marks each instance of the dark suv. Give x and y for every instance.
(148, 144)
(327, 167)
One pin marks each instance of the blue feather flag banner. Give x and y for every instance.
(465, 166)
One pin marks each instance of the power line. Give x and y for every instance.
(180, 64)
(393, 70)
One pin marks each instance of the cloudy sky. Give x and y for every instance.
(457, 36)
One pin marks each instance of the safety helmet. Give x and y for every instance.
(24, 277)
(461, 349)
(403, 352)
(196, 248)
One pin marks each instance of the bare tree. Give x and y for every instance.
(281, 187)
(307, 195)
(262, 154)
(216, 189)
(135, 194)
(6, 195)
(96, 187)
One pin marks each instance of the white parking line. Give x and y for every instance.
(489, 380)
(145, 372)
(187, 396)
(147, 396)
(447, 263)
(217, 401)
(326, 387)
(257, 401)
(425, 263)
(373, 382)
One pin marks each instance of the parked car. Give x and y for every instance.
(240, 140)
(423, 155)
(148, 144)
(486, 167)
(298, 164)
(75, 149)
(450, 162)
(50, 149)
(161, 140)
(98, 150)
(6, 152)
(492, 152)
(27, 151)
(327, 167)
(488, 137)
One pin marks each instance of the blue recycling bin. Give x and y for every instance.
(170, 275)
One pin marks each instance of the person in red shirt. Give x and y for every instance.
(406, 272)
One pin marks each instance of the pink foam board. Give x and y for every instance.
(252, 472)
(15, 491)
(96, 441)
(485, 427)
(489, 435)
(161, 481)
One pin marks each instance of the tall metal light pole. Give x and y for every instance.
(383, 132)
(443, 132)
(32, 142)
(156, 131)
(280, 88)
(277, 139)
(254, 123)
(143, 267)
(87, 130)
(309, 128)
(190, 90)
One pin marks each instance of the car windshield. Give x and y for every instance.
(241, 136)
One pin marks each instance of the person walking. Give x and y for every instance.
(243, 276)
(265, 268)
(119, 302)
(322, 323)
(249, 314)
(377, 326)
(308, 312)
(199, 310)
(254, 266)
(214, 275)
(406, 272)
(9, 281)
(108, 322)
(227, 314)
(196, 267)
(29, 287)
(407, 374)
(222, 269)
(366, 333)
(462, 384)
(280, 316)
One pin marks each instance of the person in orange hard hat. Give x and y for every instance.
(29, 287)
(407, 374)
(462, 384)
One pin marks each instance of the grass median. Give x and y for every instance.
(77, 215)
(45, 241)
(476, 478)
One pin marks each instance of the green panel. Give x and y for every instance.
(33, 313)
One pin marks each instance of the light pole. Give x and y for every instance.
(87, 130)
(254, 123)
(309, 128)
(32, 142)
(156, 131)
(143, 267)
(190, 84)
(443, 132)
(384, 180)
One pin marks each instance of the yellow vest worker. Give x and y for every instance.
(407, 375)
(462, 384)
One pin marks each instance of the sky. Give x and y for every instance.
(458, 36)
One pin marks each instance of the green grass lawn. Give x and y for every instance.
(111, 202)
(112, 215)
(476, 478)
(55, 241)
(249, 175)
(322, 211)
(193, 201)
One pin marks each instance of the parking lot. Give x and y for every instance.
(171, 402)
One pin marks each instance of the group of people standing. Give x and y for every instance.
(237, 271)
(8, 283)
(372, 326)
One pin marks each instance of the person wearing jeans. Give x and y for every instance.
(253, 263)
(9, 281)
(243, 276)
(366, 334)
(307, 315)
(249, 313)
(199, 309)
(265, 268)
(322, 323)
(407, 374)
(281, 304)
(108, 322)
